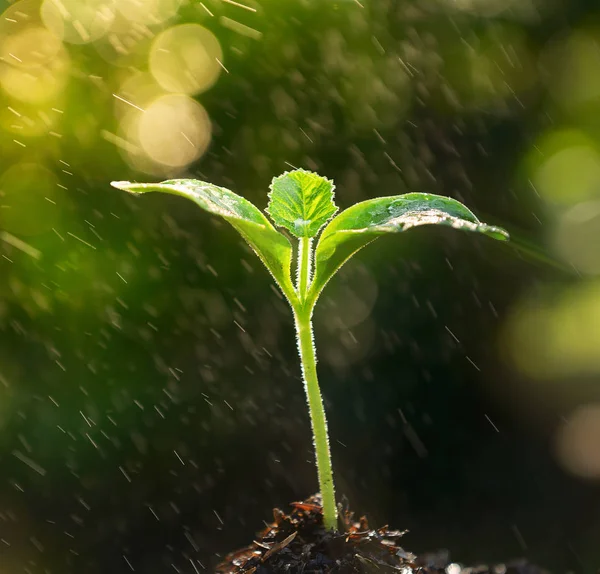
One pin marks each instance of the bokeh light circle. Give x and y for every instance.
(549, 336)
(36, 64)
(18, 16)
(36, 85)
(137, 91)
(78, 21)
(32, 47)
(174, 130)
(577, 442)
(185, 59)
(150, 12)
(577, 236)
(564, 166)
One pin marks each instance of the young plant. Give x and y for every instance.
(302, 202)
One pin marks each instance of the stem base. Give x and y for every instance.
(318, 420)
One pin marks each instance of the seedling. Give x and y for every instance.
(302, 203)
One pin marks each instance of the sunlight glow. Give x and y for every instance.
(78, 21)
(149, 12)
(565, 167)
(174, 130)
(37, 65)
(577, 236)
(554, 336)
(185, 59)
(576, 443)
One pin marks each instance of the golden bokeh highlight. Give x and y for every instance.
(37, 65)
(32, 47)
(18, 16)
(159, 133)
(185, 59)
(34, 87)
(30, 199)
(174, 130)
(577, 237)
(564, 167)
(136, 93)
(150, 12)
(549, 337)
(125, 45)
(576, 442)
(78, 21)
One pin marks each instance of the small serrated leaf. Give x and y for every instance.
(364, 222)
(272, 247)
(302, 202)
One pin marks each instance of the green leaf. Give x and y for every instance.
(302, 202)
(272, 247)
(364, 222)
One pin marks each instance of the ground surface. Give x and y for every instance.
(298, 543)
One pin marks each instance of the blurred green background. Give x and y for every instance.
(151, 408)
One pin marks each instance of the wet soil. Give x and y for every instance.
(297, 543)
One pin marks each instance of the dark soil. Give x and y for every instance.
(297, 543)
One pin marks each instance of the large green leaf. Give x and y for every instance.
(302, 202)
(364, 222)
(272, 247)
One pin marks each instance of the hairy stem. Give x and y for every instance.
(318, 421)
(303, 272)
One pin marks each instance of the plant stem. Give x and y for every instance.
(303, 271)
(303, 314)
(318, 421)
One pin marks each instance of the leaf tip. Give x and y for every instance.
(497, 233)
(126, 186)
(121, 184)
